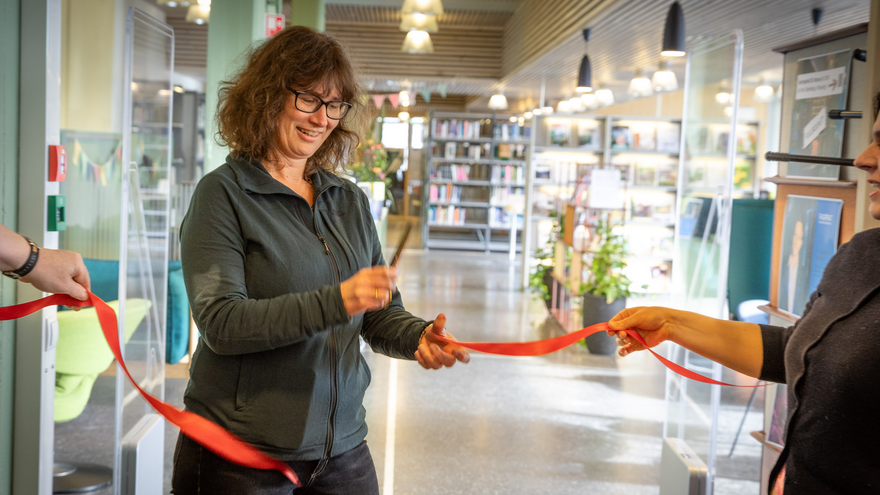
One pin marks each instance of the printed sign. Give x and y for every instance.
(814, 127)
(823, 83)
(274, 23)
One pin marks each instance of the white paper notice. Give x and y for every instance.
(815, 127)
(605, 189)
(823, 83)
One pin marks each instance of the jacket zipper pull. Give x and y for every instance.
(326, 247)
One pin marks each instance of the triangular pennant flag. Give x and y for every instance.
(378, 100)
(77, 149)
(426, 95)
(393, 99)
(441, 88)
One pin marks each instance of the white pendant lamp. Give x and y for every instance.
(417, 42)
(640, 85)
(403, 116)
(200, 13)
(664, 79)
(403, 98)
(498, 102)
(427, 7)
(764, 93)
(419, 21)
(604, 95)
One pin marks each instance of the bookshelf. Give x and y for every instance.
(646, 149)
(476, 169)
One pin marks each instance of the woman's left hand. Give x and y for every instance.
(433, 353)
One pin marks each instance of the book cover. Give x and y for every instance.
(810, 230)
(588, 134)
(644, 138)
(667, 137)
(621, 137)
(646, 173)
(667, 175)
(560, 133)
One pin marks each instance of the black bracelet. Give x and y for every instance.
(28, 265)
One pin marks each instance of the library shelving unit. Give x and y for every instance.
(646, 149)
(476, 166)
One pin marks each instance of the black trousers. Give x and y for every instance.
(197, 470)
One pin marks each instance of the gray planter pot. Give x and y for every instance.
(597, 310)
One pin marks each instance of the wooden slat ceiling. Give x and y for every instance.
(190, 41)
(627, 37)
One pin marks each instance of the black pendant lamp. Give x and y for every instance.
(584, 84)
(673, 33)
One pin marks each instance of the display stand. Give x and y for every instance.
(849, 187)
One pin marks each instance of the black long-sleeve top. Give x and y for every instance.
(830, 360)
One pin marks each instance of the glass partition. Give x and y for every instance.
(707, 171)
(146, 153)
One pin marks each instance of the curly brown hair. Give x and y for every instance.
(250, 103)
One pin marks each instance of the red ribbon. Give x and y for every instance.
(546, 346)
(208, 434)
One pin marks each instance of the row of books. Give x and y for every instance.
(508, 174)
(500, 195)
(472, 151)
(444, 192)
(511, 131)
(446, 215)
(501, 219)
(461, 129)
(460, 172)
(504, 151)
(647, 136)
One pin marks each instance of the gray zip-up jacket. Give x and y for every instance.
(278, 362)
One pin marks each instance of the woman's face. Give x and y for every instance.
(868, 161)
(300, 134)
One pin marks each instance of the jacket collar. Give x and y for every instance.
(252, 176)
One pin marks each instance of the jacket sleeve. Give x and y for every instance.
(774, 340)
(213, 261)
(392, 331)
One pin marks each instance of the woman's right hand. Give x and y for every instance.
(654, 324)
(369, 289)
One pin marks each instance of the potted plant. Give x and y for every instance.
(606, 288)
(369, 167)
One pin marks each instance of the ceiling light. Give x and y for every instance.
(640, 85)
(419, 21)
(664, 79)
(498, 102)
(588, 99)
(427, 7)
(403, 116)
(546, 110)
(512, 118)
(417, 42)
(527, 115)
(584, 74)
(728, 111)
(723, 96)
(763, 93)
(604, 95)
(537, 111)
(198, 14)
(403, 98)
(673, 33)
(563, 106)
(575, 104)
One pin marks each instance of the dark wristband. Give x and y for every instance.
(28, 265)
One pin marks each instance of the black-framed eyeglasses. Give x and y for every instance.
(309, 103)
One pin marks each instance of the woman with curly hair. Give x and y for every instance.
(284, 271)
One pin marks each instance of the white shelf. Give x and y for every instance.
(671, 154)
(470, 204)
(481, 161)
(567, 149)
(462, 140)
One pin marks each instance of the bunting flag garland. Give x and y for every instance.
(426, 95)
(378, 100)
(441, 89)
(393, 99)
(91, 171)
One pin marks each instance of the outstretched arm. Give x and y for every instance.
(57, 271)
(734, 344)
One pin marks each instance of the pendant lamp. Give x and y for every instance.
(427, 7)
(417, 42)
(584, 84)
(673, 33)
(764, 92)
(419, 21)
(664, 79)
(604, 95)
(498, 102)
(640, 85)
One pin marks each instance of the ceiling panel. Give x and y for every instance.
(190, 40)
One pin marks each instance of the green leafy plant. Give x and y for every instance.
(606, 269)
(544, 261)
(370, 163)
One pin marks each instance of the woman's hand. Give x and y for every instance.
(369, 289)
(60, 272)
(433, 353)
(655, 325)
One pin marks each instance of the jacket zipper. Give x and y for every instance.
(333, 388)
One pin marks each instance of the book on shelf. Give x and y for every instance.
(644, 138)
(746, 140)
(646, 173)
(457, 129)
(450, 151)
(589, 134)
(560, 132)
(507, 174)
(667, 174)
(621, 137)
(668, 137)
(446, 215)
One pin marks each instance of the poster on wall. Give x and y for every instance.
(810, 229)
(822, 85)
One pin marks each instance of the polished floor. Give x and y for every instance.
(566, 423)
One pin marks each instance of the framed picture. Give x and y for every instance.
(646, 173)
(822, 85)
(621, 137)
(588, 134)
(667, 137)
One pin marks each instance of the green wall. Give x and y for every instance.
(9, 73)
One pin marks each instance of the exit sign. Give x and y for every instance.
(274, 23)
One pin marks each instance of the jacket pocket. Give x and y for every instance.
(242, 392)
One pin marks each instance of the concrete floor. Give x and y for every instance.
(569, 422)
